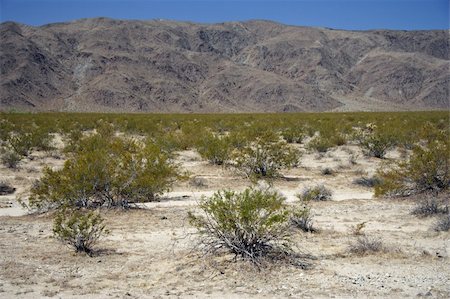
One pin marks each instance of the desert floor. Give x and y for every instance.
(151, 251)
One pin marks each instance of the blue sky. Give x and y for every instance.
(342, 14)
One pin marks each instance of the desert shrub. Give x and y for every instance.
(366, 245)
(215, 149)
(367, 181)
(317, 193)
(72, 140)
(110, 172)
(427, 170)
(79, 229)
(6, 127)
(265, 157)
(327, 171)
(443, 223)
(198, 182)
(6, 188)
(20, 143)
(301, 216)
(320, 143)
(376, 145)
(10, 158)
(293, 134)
(23, 141)
(357, 230)
(429, 207)
(238, 139)
(251, 224)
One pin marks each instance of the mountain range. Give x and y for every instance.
(107, 65)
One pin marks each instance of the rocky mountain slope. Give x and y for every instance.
(256, 66)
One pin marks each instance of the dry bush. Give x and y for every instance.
(252, 224)
(429, 207)
(443, 223)
(302, 218)
(6, 188)
(327, 171)
(198, 182)
(367, 181)
(366, 245)
(357, 230)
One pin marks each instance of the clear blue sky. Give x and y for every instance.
(342, 14)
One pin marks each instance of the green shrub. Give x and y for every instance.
(293, 134)
(111, 172)
(317, 193)
(10, 158)
(79, 229)
(252, 224)
(320, 143)
(215, 149)
(24, 140)
(427, 170)
(301, 217)
(376, 145)
(265, 157)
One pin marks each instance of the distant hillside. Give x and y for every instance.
(256, 66)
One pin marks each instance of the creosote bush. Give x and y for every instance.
(318, 193)
(79, 229)
(301, 216)
(427, 170)
(10, 158)
(252, 224)
(265, 157)
(376, 145)
(215, 149)
(110, 172)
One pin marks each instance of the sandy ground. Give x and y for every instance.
(151, 252)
